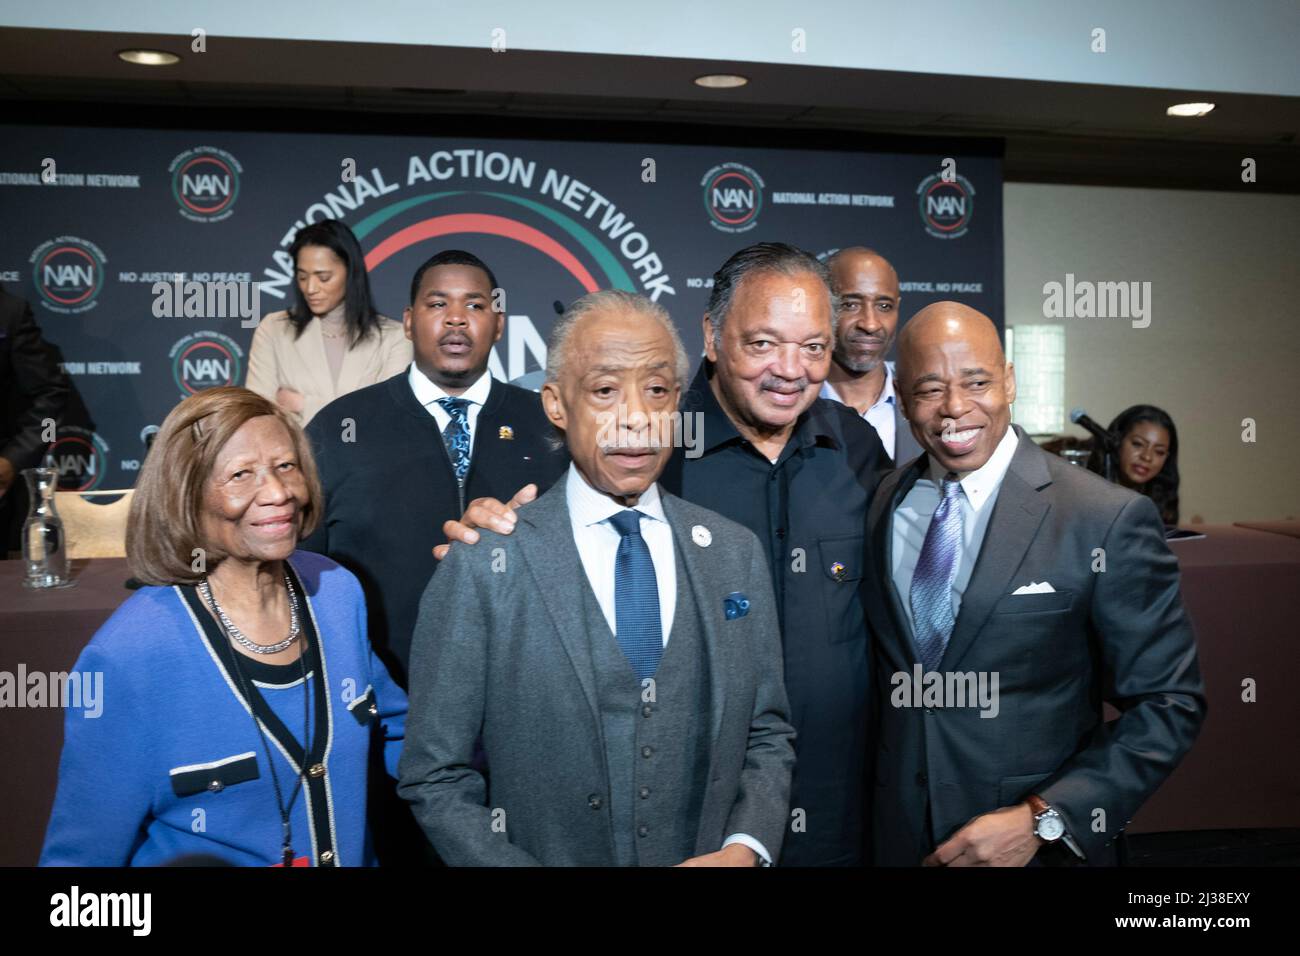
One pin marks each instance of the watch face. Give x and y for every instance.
(1051, 827)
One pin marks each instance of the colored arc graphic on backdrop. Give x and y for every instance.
(483, 223)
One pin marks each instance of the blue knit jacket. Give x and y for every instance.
(174, 765)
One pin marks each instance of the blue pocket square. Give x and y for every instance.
(735, 605)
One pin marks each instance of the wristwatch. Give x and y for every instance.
(1049, 826)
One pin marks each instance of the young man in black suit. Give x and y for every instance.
(399, 458)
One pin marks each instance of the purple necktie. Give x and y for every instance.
(932, 618)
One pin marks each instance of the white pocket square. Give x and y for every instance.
(1043, 588)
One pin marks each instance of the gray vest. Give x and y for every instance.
(656, 751)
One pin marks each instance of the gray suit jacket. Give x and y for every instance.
(500, 650)
(1120, 635)
(906, 447)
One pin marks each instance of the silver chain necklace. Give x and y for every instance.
(205, 591)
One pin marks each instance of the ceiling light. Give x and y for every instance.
(1190, 109)
(148, 57)
(721, 81)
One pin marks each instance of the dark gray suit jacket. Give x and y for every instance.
(1119, 635)
(500, 650)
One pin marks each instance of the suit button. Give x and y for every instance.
(642, 830)
(594, 801)
(645, 793)
(647, 751)
(929, 711)
(647, 710)
(922, 779)
(327, 858)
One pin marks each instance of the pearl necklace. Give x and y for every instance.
(205, 591)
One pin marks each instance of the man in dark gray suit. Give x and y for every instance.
(619, 653)
(1014, 594)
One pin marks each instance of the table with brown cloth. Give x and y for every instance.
(44, 631)
(1238, 584)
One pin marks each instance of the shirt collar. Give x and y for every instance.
(981, 483)
(887, 394)
(427, 392)
(587, 506)
(718, 429)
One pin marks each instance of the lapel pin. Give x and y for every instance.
(837, 571)
(701, 536)
(506, 433)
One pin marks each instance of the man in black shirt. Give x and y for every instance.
(798, 471)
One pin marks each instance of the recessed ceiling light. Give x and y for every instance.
(148, 57)
(1190, 109)
(721, 81)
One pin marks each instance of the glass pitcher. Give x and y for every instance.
(45, 549)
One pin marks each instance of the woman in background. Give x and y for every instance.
(1146, 450)
(332, 341)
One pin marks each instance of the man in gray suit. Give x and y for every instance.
(1014, 594)
(619, 654)
(867, 286)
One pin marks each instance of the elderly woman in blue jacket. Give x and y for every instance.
(241, 695)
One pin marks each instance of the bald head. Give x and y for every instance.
(867, 287)
(955, 384)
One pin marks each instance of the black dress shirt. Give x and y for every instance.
(809, 510)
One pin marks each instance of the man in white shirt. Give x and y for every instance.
(867, 287)
(619, 652)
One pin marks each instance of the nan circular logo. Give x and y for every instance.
(205, 182)
(80, 457)
(203, 360)
(946, 207)
(69, 274)
(733, 195)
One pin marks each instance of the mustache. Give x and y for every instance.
(787, 385)
(455, 335)
(864, 338)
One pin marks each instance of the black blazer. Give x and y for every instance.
(1120, 635)
(389, 490)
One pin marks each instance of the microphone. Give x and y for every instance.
(558, 306)
(1080, 417)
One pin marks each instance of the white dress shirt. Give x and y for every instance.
(427, 394)
(911, 520)
(598, 541)
(879, 416)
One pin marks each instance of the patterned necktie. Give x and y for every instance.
(456, 435)
(636, 597)
(932, 618)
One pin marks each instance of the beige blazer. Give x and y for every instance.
(277, 360)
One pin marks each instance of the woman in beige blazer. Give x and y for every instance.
(332, 341)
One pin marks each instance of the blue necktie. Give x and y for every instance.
(456, 435)
(636, 597)
(932, 619)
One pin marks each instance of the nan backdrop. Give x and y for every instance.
(96, 218)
